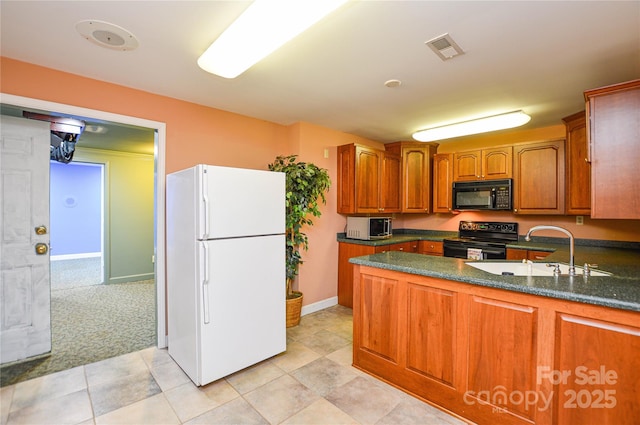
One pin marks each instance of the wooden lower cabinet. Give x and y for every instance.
(494, 356)
(595, 361)
(526, 254)
(502, 354)
(403, 246)
(345, 268)
(431, 248)
(431, 332)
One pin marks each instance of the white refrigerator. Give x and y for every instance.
(225, 269)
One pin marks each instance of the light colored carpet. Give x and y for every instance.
(92, 322)
(74, 273)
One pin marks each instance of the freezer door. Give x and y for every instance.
(242, 309)
(236, 202)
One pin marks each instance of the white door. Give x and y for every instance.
(25, 302)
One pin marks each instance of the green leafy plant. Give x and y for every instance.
(306, 185)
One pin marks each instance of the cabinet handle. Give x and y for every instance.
(515, 210)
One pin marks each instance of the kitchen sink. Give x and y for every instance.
(527, 269)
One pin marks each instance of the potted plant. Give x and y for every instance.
(306, 185)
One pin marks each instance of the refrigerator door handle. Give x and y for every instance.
(205, 204)
(205, 284)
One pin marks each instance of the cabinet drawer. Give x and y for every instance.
(431, 248)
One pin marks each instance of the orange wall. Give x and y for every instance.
(195, 134)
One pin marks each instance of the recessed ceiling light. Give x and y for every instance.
(107, 35)
(95, 129)
(392, 83)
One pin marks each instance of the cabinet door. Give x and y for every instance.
(539, 178)
(368, 177)
(467, 165)
(416, 178)
(345, 270)
(502, 354)
(537, 255)
(442, 182)
(525, 254)
(390, 196)
(497, 163)
(578, 184)
(346, 179)
(596, 372)
(376, 321)
(431, 332)
(614, 135)
(516, 254)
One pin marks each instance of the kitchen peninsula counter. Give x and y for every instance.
(504, 349)
(621, 290)
(621, 259)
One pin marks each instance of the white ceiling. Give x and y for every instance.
(538, 56)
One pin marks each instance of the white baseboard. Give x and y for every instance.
(317, 306)
(75, 256)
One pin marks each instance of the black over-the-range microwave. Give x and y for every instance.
(483, 195)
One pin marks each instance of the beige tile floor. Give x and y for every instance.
(313, 382)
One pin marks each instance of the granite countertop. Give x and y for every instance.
(620, 290)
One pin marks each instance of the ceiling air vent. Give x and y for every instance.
(444, 47)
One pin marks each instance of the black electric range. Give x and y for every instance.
(481, 240)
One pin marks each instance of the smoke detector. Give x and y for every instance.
(107, 35)
(444, 47)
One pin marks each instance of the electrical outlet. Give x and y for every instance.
(579, 220)
(326, 153)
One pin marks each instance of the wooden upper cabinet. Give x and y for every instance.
(390, 199)
(497, 163)
(483, 164)
(417, 159)
(368, 180)
(538, 178)
(368, 177)
(442, 182)
(578, 169)
(613, 135)
(346, 179)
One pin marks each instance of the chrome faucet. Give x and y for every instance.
(572, 267)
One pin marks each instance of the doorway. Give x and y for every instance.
(158, 130)
(77, 224)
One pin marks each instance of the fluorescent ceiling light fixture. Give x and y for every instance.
(480, 125)
(263, 27)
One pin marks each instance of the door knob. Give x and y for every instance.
(41, 248)
(41, 230)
